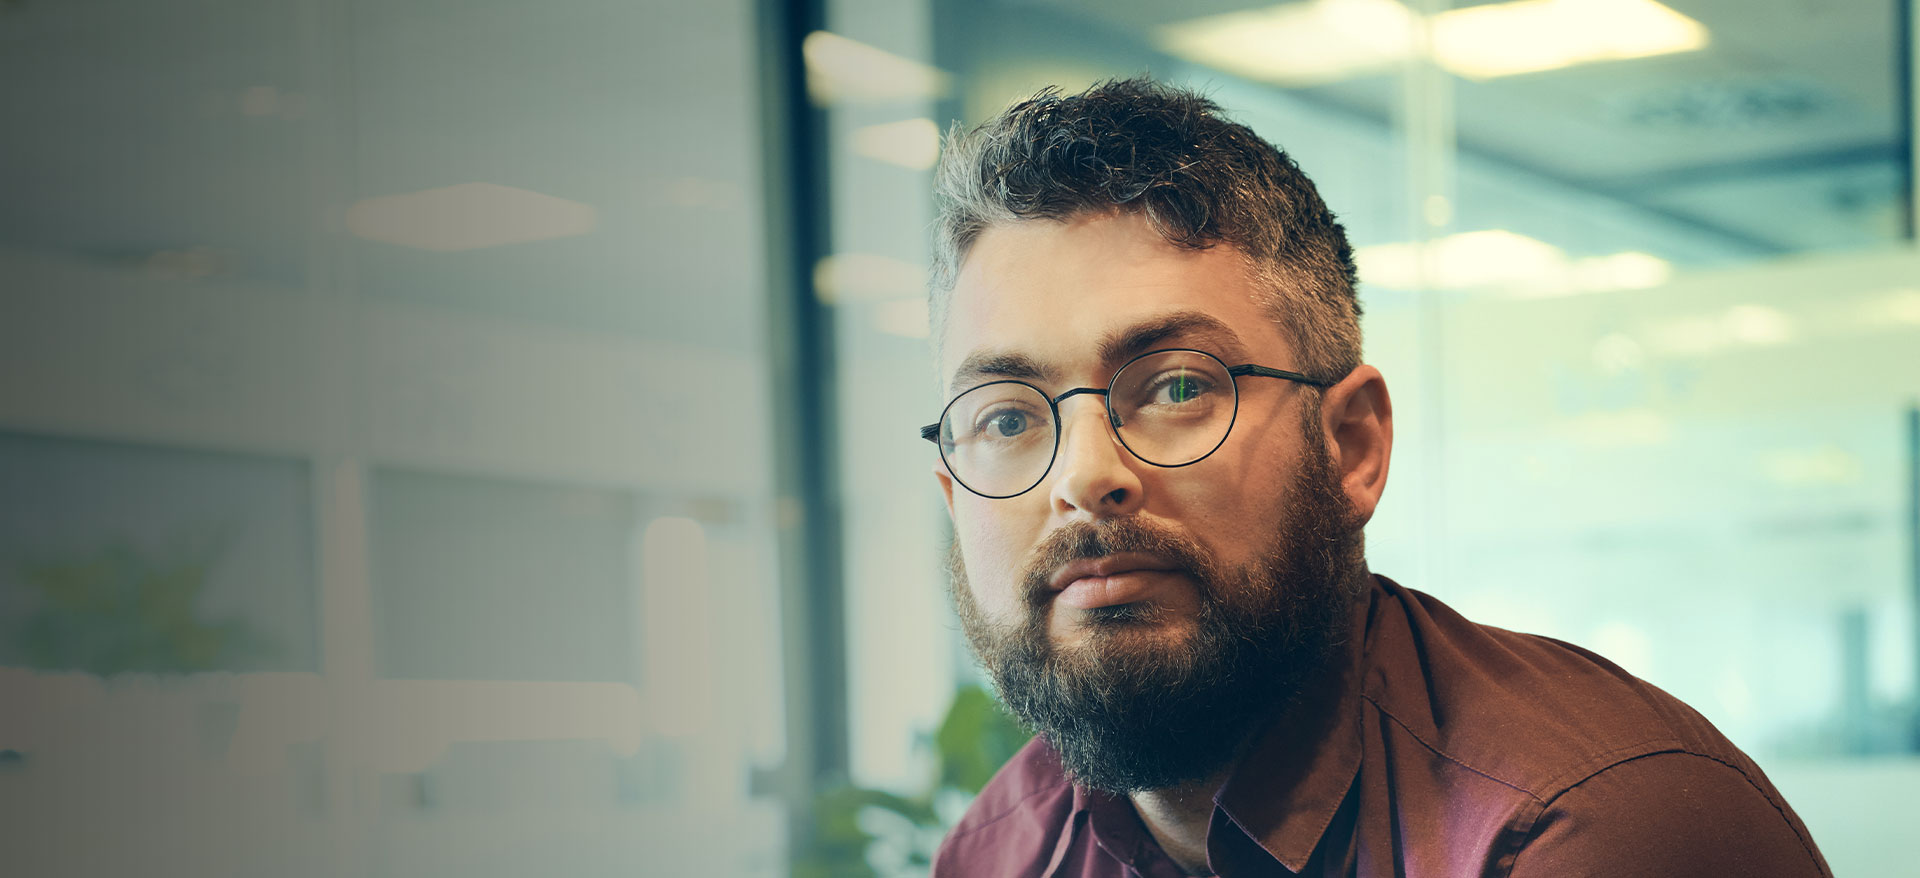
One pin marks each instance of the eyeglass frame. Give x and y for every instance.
(931, 432)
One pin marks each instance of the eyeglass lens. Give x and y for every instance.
(1171, 408)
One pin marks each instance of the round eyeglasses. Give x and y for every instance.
(1169, 408)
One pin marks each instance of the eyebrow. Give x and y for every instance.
(999, 364)
(1198, 328)
(1190, 327)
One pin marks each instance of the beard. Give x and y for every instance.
(1130, 711)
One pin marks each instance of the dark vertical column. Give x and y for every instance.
(1903, 97)
(801, 352)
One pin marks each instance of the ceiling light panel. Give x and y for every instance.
(1503, 39)
(1322, 41)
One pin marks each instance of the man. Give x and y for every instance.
(1159, 453)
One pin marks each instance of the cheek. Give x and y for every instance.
(1230, 507)
(994, 549)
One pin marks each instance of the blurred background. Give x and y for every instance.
(479, 438)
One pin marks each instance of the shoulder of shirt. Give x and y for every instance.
(1679, 814)
(1530, 712)
(1015, 822)
(1032, 780)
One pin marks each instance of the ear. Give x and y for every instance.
(945, 479)
(1357, 417)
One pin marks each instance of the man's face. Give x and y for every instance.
(1128, 610)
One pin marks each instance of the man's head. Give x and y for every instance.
(1170, 156)
(1148, 618)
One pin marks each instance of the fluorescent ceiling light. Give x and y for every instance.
(1826, 465)
(468, 216)
(910, 143)
(1626, 270)
(1298, 44)
(848, 278)
(1618, 428)
(840, 69)
(1482, 42)
(1757, 325)
(1499, 259)
(1899, 306)
(1464, 261)
(1320, 41)
(1706, 334)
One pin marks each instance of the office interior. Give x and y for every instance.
(479, 438)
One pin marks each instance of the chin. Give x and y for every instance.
(1124, 629)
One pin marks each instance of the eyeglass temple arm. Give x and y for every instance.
(1265, 372)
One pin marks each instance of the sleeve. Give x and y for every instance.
(1669, 814)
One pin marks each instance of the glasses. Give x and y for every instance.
(1169, 408)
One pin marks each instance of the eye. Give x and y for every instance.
(1178, 388)
(1005, 423)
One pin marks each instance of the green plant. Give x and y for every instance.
(121, 610)
(853, 826)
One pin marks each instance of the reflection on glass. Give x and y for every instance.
(121, 558)
(1638, 268)
(337, 339)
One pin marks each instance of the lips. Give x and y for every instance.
(1111, 580)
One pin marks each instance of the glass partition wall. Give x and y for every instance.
(385, 448)
(1641, 277)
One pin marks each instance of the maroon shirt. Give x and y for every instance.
(1443, 748)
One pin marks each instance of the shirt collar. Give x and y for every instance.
(1284, 792)
(1115, 827)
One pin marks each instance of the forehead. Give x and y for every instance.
(1061, 292)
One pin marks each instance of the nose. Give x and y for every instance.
(1093, 474)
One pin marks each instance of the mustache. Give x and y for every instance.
(1088, 540)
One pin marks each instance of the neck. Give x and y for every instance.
(1178, 818)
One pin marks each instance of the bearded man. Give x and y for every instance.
(1159, 453)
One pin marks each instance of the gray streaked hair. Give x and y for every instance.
(1134, 145)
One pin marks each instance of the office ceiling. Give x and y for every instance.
(1786, 130)
(229, 136)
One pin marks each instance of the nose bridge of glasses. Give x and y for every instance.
(1101, 392)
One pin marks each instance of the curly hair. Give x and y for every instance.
(1134, 145)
